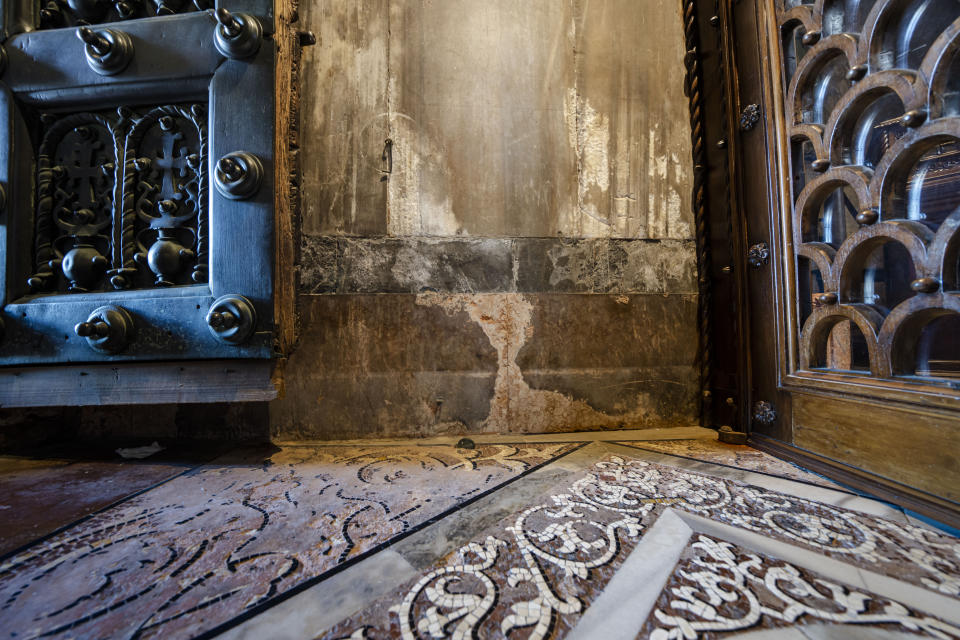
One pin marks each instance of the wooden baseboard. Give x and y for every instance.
(899, 494)
(138, 383)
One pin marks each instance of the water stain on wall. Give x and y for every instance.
(506, 319)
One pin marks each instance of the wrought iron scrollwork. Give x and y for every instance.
(76, 189)
(66, 13)
(165, 193)
(122, 200)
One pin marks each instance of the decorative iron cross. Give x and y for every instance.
(83, 173)
(167, 161)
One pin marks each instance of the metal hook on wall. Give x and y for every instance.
(386, 159)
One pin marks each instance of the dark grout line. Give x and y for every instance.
(315, 580)
(334, 443)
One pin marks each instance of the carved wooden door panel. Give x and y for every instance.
(857, 339)
(137, 180)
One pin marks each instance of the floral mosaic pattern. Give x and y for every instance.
(733, 455)
(226, 538)
(914, 554)
(536, 572)
(544, 566)
(720, 589)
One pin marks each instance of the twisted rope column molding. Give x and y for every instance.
(692, 89)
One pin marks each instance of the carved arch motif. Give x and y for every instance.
(905, 193)
(121, 200)
(54, 14)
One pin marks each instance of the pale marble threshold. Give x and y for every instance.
(672, 433)
(321, 606)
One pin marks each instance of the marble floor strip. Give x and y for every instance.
(69, 492)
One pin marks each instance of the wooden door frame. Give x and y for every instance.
(756, 158)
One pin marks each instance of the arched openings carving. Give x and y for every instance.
(873, 109)
(905, 32)
(916, 178)
(844, 16)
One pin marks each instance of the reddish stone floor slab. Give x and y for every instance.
(224, 539)
(39, 496)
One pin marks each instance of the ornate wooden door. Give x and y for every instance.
(137, 177)
(850, 193)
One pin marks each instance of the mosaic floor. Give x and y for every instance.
(578, 539)
(732, 455)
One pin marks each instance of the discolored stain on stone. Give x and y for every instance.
(610, 332)
(390, 265)
(380, 333)
(566, 122)
(510, 323)
(382, 404)
(667, 266)
(391, 364)
(600, 265)
(496, 265)
(321, 258)
(652, 396)
(534, 151)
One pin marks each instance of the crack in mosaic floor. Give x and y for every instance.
(535, 573)
(229, 537)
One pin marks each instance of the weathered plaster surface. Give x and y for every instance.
(338, 265)
(520, 256)
(507, 322)
(535, 118)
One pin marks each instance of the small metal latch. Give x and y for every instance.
(759, 255)
(764, 413)
(386, 159)
(749, 117)
(729, 436)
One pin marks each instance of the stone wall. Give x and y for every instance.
(520, 258)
